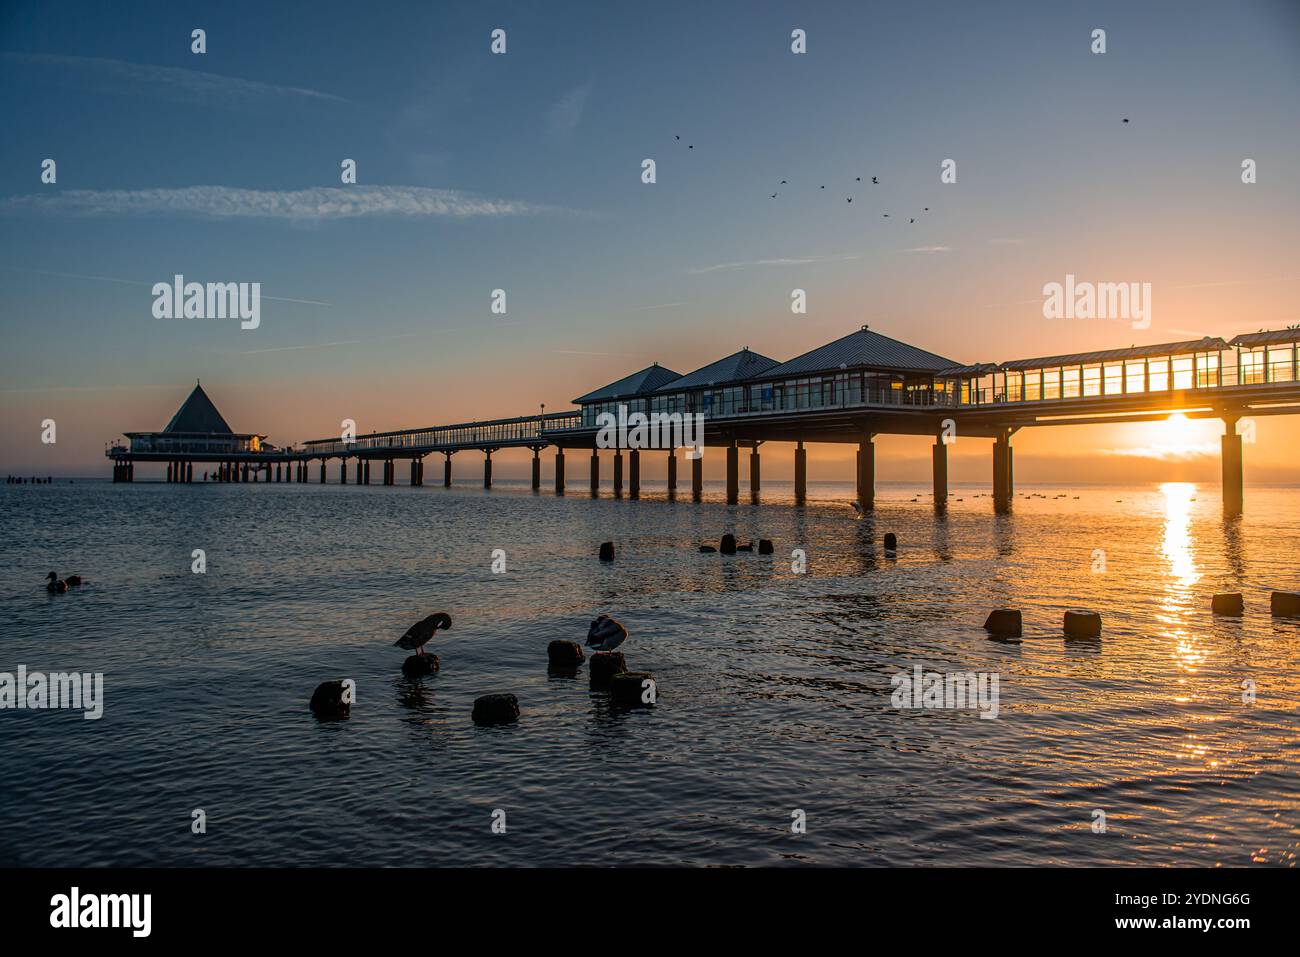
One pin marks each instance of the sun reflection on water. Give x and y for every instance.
(1176, 545)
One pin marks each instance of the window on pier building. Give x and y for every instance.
(1250, 367)
(1207, 370)
(1015, 386)
(1158, 375)
(1033, 385)
(1135, 376)
(1280, 368)
(1071, 383)
(1052, 384)
(1182, 372)
(1091, 380)
(1113, 378)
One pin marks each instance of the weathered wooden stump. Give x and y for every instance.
(1004, 621)
(633, 689)
(1082, 624)
(417, 666)
(496, 709)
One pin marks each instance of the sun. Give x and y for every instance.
(1174, 439)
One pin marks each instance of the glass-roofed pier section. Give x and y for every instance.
(1262, 358)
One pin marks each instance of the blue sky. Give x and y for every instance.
(541, 150)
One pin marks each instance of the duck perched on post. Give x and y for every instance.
(418, 635)
(606, 634)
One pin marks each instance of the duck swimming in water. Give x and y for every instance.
(418, 635)
(605, 634)
(55, 586)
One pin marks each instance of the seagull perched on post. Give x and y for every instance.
(605, 634)
(418, 635)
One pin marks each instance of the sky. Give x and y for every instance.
(523, 172)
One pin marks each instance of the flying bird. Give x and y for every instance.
(419, 634)
(850, 199)
(1126, 119)
(876, 181)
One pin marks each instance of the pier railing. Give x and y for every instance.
(521, 431)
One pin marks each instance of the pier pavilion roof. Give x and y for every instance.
(1267, 337)
(198, 415)
(1208, 344)
(638, 383)
(735, 367)
(962, 372)
(863, 348)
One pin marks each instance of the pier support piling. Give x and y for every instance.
(1003, 472)
(672, 473)
(559, 470)
(800, 474)
(754, 473)
(537, 469)
(595, 472)
(634, 473)
(697, 475)
(940, 456)
(1233, 483)
(618, 473)
(733, 473)
(446, 471)
(487, 468)
(867, 472)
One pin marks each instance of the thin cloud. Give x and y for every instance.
(750, 264)
(1165, 453)
(103, 75)
(141, 282)
(1238, 282)
(929, 249)
(303, 205)
(1006, 242)
(566, 114)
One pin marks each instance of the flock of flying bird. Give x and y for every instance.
(875, 181)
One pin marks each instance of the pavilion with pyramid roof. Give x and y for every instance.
(197, 432)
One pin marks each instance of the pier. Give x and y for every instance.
(847, 392)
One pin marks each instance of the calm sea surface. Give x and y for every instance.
(774, 686)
